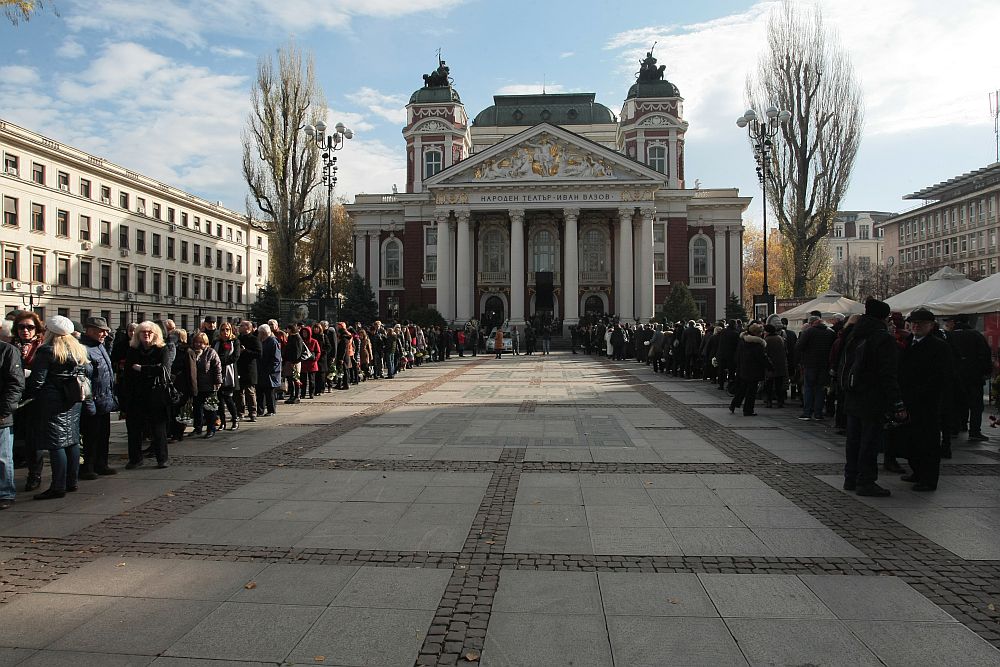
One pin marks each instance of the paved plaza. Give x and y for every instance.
(558, 510)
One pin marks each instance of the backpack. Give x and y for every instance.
(851, 376)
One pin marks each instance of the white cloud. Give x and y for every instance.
(18, 75)
(390, 107)
(921, 64)
(369, 166)
(71, 49)
(355, 121)
(188, 24)
(531, 88)
(567, 54)
(230, 52)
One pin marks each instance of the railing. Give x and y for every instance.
(494, 277)
(430, 277)
(555, 278)
(392, 283)
(659, 275)
(701, 280)
(595, 277)
(375, 199)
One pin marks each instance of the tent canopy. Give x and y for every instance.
(828, 304)
(979, 297)
(936, 288)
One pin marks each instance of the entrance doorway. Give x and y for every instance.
(493, 313)
(593, 307)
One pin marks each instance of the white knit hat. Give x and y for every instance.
(59, 325)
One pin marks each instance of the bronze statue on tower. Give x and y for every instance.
(649, 72)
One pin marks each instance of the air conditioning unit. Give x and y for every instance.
(141, 210)
(173, 228)
(64, 187)
(106, 200)
(12, 170)
(44, 289)
(15, 285)
(86, 245)
(130, 296)
(123, 252)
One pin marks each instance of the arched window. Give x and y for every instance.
(657, 158)
(593, 251)
(494, 257)
(432, 163)
(392, 266)
(700, 257)
(544, 251)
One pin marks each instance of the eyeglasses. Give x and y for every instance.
(26, 327)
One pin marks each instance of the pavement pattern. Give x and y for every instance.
(557, 510)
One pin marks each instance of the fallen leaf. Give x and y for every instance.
(991, 607)
(170, 494)
(490, 542)
(319, 658)
(673, 601)
(122, 564)
(250, 585)
(471, 655)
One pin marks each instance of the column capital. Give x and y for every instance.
(571, 213)
(626, 212)
(463, 216)
(441, 215)
(516, 214)
(648, 211)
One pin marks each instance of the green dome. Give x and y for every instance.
(439, 94)
(662, 88)
(557, 109)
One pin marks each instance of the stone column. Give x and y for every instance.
(517, 273)
(734, 276)
(360, 239)
(718, 271)
(673, 166)
(571, 269)
(445, 297)
(646, 298)
(374, 268)
(637, 259)
(625, 290)
(463, 272)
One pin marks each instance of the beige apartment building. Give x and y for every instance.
(83, 237)
(855, 244)
(956, 225)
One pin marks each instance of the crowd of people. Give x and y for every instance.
(61, 383)
(903, 387)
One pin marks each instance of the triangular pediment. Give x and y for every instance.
(546, 154)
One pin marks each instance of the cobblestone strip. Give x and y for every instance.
(458, 629)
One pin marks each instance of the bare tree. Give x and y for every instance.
(22, 10)
(280, 167)
(806, 71)
(859, 277)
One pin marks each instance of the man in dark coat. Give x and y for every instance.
(813, 350)
(246, 368)
(871, 391)
(210, 328)
(95, 418)
(11, 388)
(751, 367)
(922, 365)
(726, 354)
(975, 364)
(691, 343)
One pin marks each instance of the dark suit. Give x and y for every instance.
(922, 366)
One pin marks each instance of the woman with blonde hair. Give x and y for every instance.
(228, 347)
(144, 393)
(55, 392)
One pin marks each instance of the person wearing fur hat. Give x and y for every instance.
(752, 363)
(56, 399)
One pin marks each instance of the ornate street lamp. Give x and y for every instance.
(762, 131)
(328, 143)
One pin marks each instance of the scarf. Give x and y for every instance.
(193, 357)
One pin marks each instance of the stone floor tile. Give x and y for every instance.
(873, 598)
(719, 542)
(654, 594)
(815, 642)
(545, 592)
(543, 496)
(112, 576)
(615, 496)
(393, 588)
(240, 631)
(699, 516)
(903, 644)
(296, 584)
(548, 540)
(755, 497)
(807, 543)
(517, 640)
(634, 541)
(671, 481)
(232, 508)
(763, 596)
(720, 481)
(451, 494)
(549, 515)
(662, 640)
(684, 497)
(14, 656)
(623, 516)
(35, 620)
(297, 510)
(138, 626)
(81, 659)
(775, 517)
(364, 636)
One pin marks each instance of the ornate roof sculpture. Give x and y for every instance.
(650, 81)
(437, 87)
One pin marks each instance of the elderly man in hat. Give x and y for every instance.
(922, 365)
(95, 418)
(210, 329)
(871, 392)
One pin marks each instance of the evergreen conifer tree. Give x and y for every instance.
(680, 305)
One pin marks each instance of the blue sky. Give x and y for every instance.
(161, 86)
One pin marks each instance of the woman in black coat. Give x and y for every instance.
(751, 366)
(268, 370)
(55, 403)
(228, 348)
(246, 397)
(143, 394)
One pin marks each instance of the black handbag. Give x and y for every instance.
(170, 390)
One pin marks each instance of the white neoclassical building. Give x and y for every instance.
(548, 205)
(83, 237)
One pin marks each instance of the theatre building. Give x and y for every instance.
(548, 206)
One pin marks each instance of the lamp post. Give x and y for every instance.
(762, 131)
(328, 143)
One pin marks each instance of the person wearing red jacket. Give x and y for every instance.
(309, 367)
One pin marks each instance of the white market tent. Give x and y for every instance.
(979, 297)
(938, 287)
(828, 304)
